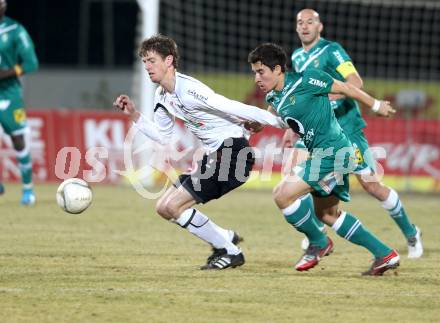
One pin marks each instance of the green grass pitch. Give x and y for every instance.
(119, 262)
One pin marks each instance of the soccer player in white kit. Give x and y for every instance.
(216, 121)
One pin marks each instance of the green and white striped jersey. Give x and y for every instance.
(16, 48)
(304, 105)
(331, 58)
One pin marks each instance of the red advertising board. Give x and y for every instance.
(63, 141)
(412, 147)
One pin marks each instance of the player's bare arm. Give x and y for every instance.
(289, 139)
(382, 108)
(12, 72)
(353, 79)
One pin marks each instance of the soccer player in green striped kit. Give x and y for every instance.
(301, 100)
(17, 57)
(319, 53)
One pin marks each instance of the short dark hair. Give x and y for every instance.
(269, 54)
(162, 45)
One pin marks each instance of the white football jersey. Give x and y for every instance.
(209, 116)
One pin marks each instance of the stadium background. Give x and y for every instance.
(87, 54)
(120, 262)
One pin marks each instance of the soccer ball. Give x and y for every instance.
(74, 195)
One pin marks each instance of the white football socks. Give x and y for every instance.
(201, 226)
(392, 201)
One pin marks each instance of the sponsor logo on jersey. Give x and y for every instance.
(192, 121)
(317, 82)
(195, 124)
(309, 136)
(19, 115)
(316, 63)
(358, 155)
(197, 96)
(292, 99)
(338, 56)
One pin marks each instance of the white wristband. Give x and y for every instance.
(376, 106)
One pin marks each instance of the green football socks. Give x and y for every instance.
(350, 228)
(300, 216)
(25, 165)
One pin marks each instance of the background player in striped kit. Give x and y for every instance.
(319, 53)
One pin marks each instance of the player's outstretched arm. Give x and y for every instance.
(353, 79)
(159, 130)
(382, 108)
(126, 105)
(244, 111)
(289, 139)
(4, 74)
(255, 127)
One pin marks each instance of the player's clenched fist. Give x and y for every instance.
(123, 102)
(126, 105)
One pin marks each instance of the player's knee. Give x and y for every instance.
(276, 192)
(279, 195)
(373, 188)
(162, 210)
(172, 209)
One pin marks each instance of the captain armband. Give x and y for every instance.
(18, 70)
(346, 69)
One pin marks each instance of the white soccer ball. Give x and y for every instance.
(74, 195)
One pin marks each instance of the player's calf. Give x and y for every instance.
(305, 241)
